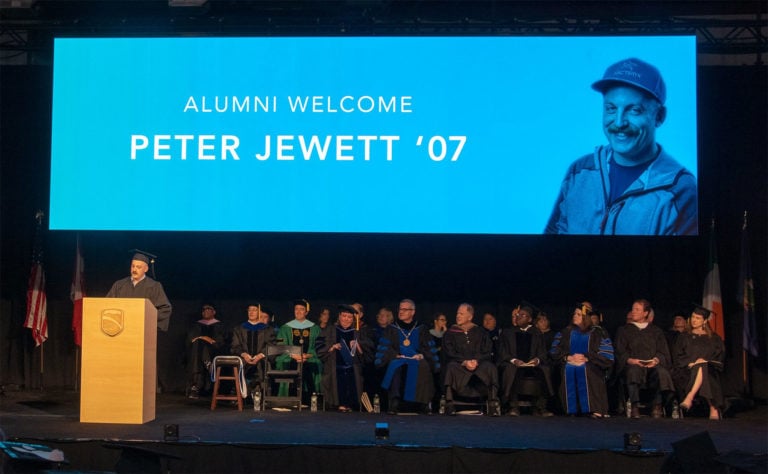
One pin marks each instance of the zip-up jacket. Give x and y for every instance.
(661, 201)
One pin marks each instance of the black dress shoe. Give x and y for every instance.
(450, 409)
(544, 412)
(393, 406)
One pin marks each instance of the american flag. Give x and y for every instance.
(37, 319)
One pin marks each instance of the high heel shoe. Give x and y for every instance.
(715, 415)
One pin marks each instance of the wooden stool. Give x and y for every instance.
(234, 363)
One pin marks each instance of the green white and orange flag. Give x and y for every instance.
(712, 299)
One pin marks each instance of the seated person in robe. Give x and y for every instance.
(468, 354)
(408, 353)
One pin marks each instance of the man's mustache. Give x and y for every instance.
(625, 130)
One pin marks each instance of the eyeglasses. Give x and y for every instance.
(406, 309)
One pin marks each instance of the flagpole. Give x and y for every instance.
(39, 219)
(77, 368)
(745, 303)
(744, 376)
(36, 312)
(77, 293)
(744, 371)
(42, 367)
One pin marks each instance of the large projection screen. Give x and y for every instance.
(457, 135)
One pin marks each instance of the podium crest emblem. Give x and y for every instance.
(112, 321)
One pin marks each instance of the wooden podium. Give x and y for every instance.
(119, 372)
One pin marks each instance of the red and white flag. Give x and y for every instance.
(76, 294)
(37, 302)
(712, 299)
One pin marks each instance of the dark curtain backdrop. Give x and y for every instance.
(493, 272)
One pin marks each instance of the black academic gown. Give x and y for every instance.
(332, 381)
(252, 339)
(149, 289)
(473, 344)
(419, 385)
(200, 353)
(508, 350)
(644, 344)
(689, 348)
(600, 357)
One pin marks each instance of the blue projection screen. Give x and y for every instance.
(466, 135)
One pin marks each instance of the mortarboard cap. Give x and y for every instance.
(530, 307)
(301, 302)
(143, 256)
(256, 304)
(584, 306)
(346, 308)
(702, 311)
(594, 312)
(636, 73)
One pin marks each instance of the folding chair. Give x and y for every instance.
(273, 377)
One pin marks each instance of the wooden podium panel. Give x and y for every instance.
(119, 372)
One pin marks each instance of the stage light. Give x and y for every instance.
(633, 442)
(382, 431)
(697, 453)
(17, 3)
(171, 432)
(186, 3)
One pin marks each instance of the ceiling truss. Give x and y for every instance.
(26, 33)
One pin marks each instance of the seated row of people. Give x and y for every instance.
(582, 356)
(407, 362)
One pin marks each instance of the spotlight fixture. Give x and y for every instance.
(633, 442)
(17, 3)
(186, 3)
(171, 432)
(382, 431)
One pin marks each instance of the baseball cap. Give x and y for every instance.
(636, 73)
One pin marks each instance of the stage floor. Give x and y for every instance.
(52, 418)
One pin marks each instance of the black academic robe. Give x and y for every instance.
(333, 360)
(600, 357)
(549, 338)
(509, 349)
(252, 339)
(419, 385)
(200, 353)
(149, 289)
(473, 344)
(644, 344)
(689, 348)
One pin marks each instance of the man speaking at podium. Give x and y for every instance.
(139, 285)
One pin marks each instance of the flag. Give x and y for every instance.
(746, 295)
(712, 298)
(36, 318)
(76, 294)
